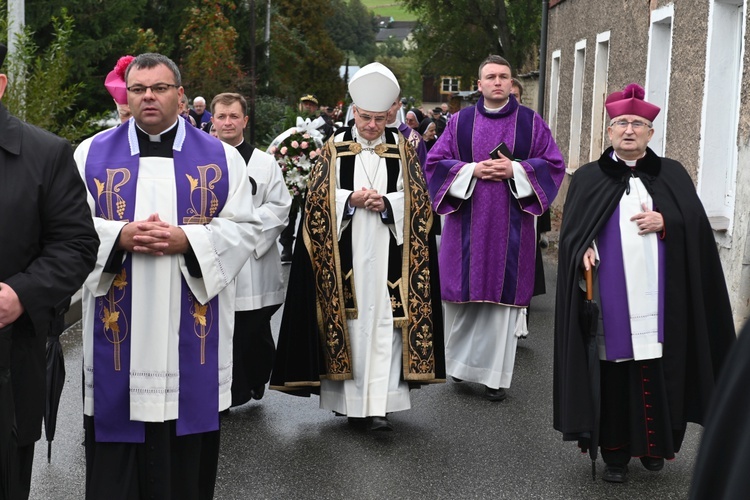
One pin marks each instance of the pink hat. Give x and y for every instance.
(630, 102)
(115, 81)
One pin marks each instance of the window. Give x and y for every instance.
(658, 71)
(554, 88)
(717, 175)
(576, 111)
(598, 112)
(450, 84)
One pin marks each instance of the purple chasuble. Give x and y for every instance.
(613, 295)
(202, 187)
(488, 247)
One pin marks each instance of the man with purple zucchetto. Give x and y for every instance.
(490, 200)
(637, 355)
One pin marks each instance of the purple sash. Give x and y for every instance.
(111, 177)
(202, 186)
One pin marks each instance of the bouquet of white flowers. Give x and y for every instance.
(296, 151)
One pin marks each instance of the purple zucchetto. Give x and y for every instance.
(115, 81)
(629, 101)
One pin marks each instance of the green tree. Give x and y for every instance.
(352, 28)
(453, 36)
(104, 31)
(39, 92)
(304, 58)
(210, 64)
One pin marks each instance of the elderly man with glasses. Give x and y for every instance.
(635, 219)
(361, 285)
(173, 209)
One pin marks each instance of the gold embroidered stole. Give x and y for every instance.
(320, 234)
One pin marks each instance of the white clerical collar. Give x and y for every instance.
(496, 110)
(157, 137)
(629, 163)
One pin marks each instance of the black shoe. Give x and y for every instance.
(286, 255)
(615, 473)
(652, 463)
(457, 380)
(380, 424)
(257, 392)
(494, 394)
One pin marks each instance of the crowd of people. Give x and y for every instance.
(178, 237)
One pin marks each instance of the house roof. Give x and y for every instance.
(399, 34)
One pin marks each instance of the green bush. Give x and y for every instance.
(270, 115)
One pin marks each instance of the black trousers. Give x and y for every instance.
(253, 352)
(164, 467)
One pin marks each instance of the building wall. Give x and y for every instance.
(628, 23)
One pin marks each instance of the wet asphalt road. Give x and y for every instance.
(452, 444)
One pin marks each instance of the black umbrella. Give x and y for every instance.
(589, 326)
(55, 379)
(7, 417)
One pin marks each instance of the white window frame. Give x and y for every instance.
(718, 155)
(576, 105)
(453, 81)
(658, 71)
(554, 89)
(598, 113)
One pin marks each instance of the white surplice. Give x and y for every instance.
(377, 387)
(259, 284)
(221, 247)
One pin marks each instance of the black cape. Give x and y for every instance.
(698, 327)
(300, 361)
(721, 467)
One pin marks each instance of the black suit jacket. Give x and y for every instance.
(49, 246)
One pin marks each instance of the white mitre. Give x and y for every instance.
(374, 88)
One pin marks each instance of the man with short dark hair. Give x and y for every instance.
(260, 289)
(173, 208)
(490, 202)
(517, 90)
(666, 322)
(48, 247)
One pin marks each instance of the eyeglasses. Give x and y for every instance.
(367, 118)
(637, 125)
(157, 88)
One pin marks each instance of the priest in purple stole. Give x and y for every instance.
(665, 319)
(490, 203)
(171, 207)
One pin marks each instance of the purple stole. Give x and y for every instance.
(202, 185)
(613, 293)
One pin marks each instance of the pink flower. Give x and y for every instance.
(295, 144)
(304, 145)
(313, 154)
(283, 150)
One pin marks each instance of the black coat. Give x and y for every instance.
(698, 327)
(721, 467)
(48, 248)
